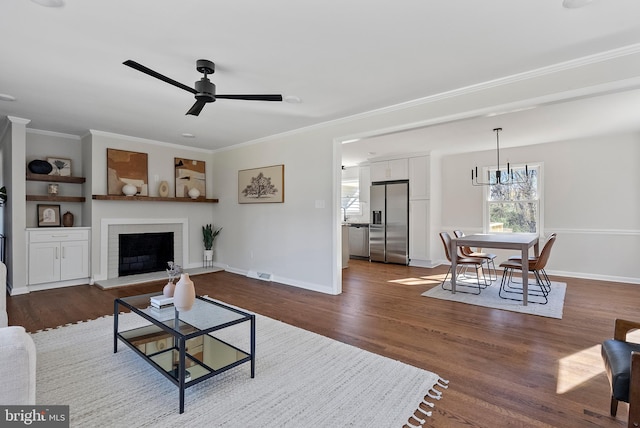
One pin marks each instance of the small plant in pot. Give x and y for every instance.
(208, 237)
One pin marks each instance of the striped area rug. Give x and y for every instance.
(302, 379)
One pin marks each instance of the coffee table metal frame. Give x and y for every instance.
(181, 331)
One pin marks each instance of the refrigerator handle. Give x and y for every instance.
(377, 217)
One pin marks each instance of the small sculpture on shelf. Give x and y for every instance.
(173, 271)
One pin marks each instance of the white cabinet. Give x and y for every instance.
(58, 255)
(419, 177)
(419, 232)
(395, 169)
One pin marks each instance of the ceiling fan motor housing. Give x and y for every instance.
(206, 90)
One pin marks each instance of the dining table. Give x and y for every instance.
(508, 241)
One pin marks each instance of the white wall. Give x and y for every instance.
(591, 200)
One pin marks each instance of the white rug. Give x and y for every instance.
(302, 379)
(489, 298)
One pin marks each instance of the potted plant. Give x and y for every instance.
(208, 237)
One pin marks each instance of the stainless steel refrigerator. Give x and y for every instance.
(389, 226)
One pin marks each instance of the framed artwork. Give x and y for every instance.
(49, 215)
(190, 174)
(261, 185)
(125, 167)
(60, 166)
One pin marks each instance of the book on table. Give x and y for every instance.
(161, 302)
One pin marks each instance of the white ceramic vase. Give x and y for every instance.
(208, 255)
(194, 193)
(184, 294)
(129, 189)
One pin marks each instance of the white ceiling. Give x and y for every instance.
(341, 58)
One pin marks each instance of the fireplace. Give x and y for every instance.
(112, 228)
(144, 252)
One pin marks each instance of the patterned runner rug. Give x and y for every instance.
(302, 379)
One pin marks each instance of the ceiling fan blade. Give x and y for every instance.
(197, 108)
(252, 97)
(150, 72)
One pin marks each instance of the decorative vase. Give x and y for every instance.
(185, 293)
(163, 189)
(169, 289)
(194, 193)
(67, 219)
(208, 255)
(129, 189)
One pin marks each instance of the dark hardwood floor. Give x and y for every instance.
(504, 368)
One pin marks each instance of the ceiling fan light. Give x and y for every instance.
(574, 4)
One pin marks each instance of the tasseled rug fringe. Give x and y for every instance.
(423, 411)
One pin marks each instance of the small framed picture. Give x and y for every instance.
(60, 166)
(49, 215)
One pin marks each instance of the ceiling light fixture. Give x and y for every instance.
(292, 99)
(188, 135)
(575, 4)
(499, 178)
(7, 97)
(49, 3)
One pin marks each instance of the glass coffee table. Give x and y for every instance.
(182, 345)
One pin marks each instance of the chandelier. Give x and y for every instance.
(501, 177)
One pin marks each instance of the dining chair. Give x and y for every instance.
(488, 258)
(462, 263)
(536, 266)
(518, 258)
(622, 364)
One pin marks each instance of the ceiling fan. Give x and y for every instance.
(205, 91)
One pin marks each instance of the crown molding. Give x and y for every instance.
(146, 141)
(53, 134)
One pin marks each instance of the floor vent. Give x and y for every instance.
(259, 275)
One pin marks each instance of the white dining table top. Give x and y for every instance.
(500, 240)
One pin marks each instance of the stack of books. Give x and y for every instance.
(162, 308)
(161, 302)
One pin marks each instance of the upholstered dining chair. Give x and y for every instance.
(536, 266)
(622, 364)
(463, 262)
(488, 258)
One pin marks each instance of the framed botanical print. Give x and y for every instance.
(261, 185)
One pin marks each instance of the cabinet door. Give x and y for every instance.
(378, 171)
(398, 169)
(74, 260)
(419, 230)
(419, 177)
(44, 262)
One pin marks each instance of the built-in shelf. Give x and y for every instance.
(150, 199)
(55, 178)
(52, 198)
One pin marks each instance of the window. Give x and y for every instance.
(350, 199)
(517, 207)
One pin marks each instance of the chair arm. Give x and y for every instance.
(622, 327)
(17, 367)
(634, 391)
